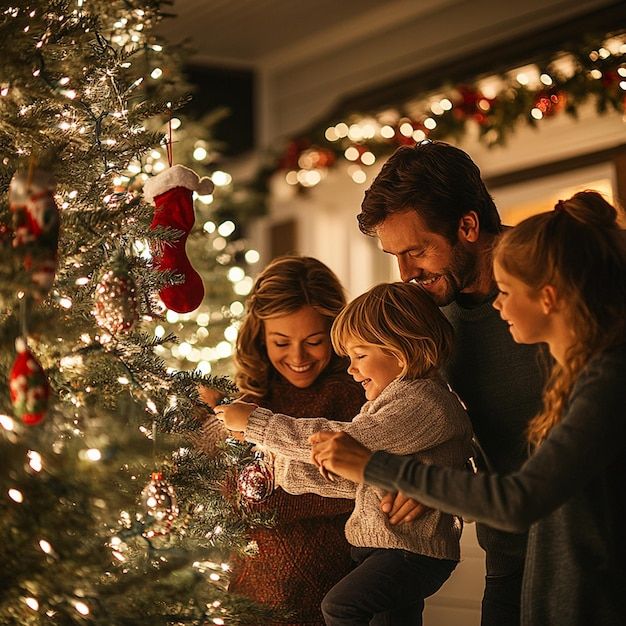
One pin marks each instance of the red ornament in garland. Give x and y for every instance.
(172, 193)
(291, 156)
(472, 104)
(35, 224)
(401, 139)
(326, 158)
(610, 79)
(315, 158)
(550, 102)
(29, 387)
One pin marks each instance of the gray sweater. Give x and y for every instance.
(570, 493)
(422, 418)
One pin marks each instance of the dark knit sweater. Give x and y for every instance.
(305, 553)
(500, 382)
(570, 492)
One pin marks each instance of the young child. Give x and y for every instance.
(396, 339)
(562, 281)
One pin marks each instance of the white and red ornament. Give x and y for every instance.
(161, 507)
(172, 194)
(36, 224)
(115, 303)
(255, 482)
(29, 387)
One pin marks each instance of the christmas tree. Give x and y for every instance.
(108, 516)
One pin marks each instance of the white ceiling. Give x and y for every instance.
(261, 33)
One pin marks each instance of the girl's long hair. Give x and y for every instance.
(580, 250)
(286, 285)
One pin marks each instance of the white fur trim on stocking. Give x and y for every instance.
(176, 176)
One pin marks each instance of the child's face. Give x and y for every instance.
(298, 345)
(521, 307)
(372, 367)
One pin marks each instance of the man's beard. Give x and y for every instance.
(462, 271)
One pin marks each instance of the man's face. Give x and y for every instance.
(429, 259)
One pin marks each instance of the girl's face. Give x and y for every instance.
(521, 307)
(372, 367)
(298, 345)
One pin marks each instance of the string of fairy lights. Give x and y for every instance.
(488, 108)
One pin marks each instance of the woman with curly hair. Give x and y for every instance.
(284, 360)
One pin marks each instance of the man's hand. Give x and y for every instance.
(339, 453)
(235, 416)
(400, 509)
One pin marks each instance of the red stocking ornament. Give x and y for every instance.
(172, 193)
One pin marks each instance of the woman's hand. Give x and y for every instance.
(210, 396)
(339, 453)
(235, 416)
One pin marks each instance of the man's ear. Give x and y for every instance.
(549, 299)
(469, 227)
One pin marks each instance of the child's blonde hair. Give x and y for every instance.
(580, 250)
(403, 320)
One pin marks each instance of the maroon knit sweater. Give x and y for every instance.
(306, 552)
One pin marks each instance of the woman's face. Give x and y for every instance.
(298, 345)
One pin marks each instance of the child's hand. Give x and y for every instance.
(340, 454)
(235, 416)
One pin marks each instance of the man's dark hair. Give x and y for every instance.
(439, 182)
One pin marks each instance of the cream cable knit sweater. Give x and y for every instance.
(419, 417)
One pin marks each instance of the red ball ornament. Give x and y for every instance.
(29, 387)
(255, 482)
